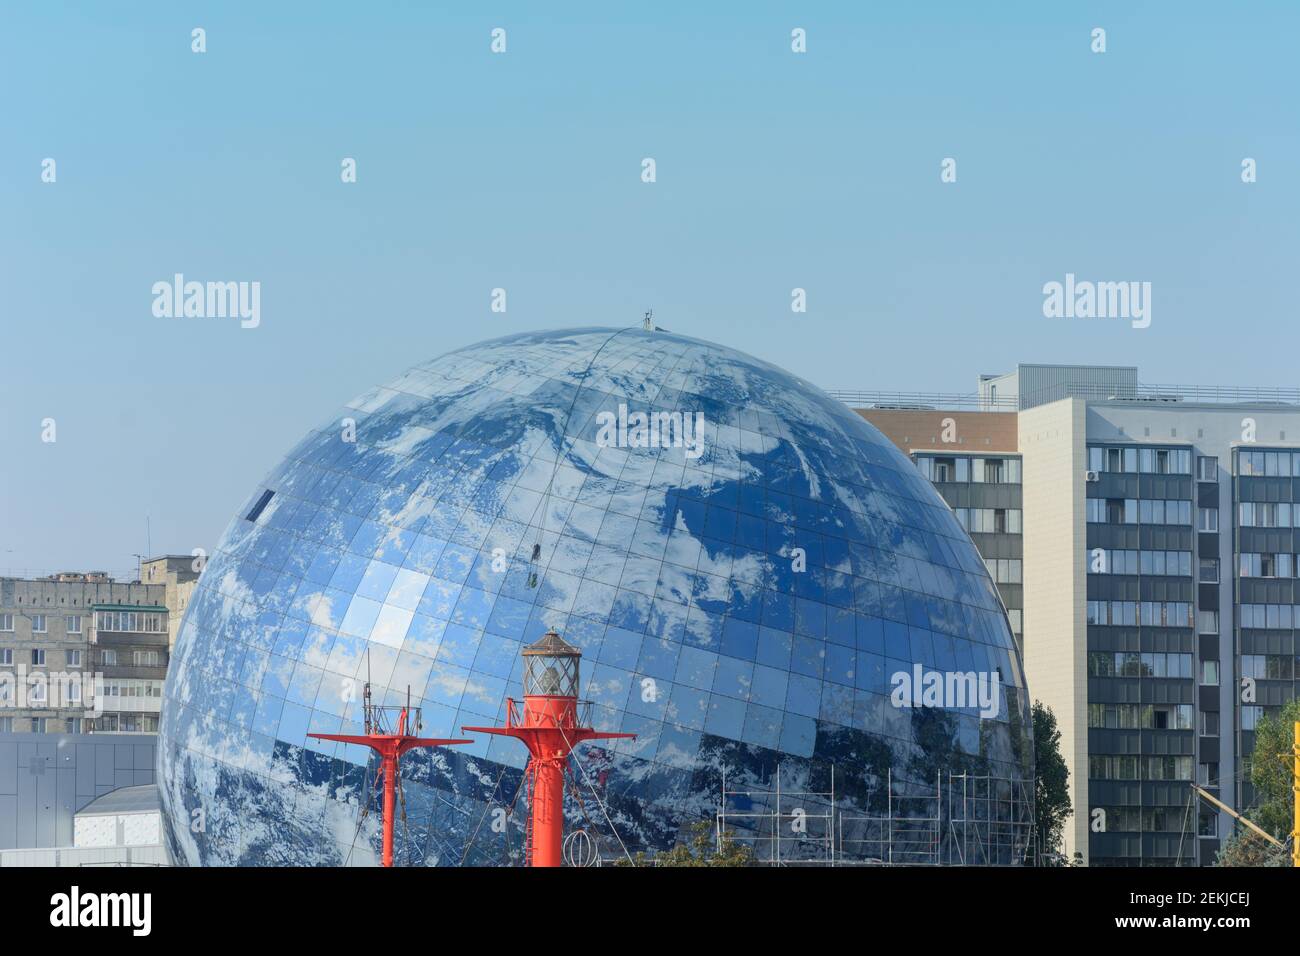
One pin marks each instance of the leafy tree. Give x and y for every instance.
(699, 850)
(1271, 770)
(1051, 779)
(1271, 775)
(1247, 848)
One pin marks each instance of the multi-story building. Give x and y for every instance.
(81, 653)
(178, 573)
(1157, 535)
(129, 647)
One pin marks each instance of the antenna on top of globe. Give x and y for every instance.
(648, 323)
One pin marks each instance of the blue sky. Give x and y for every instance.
(522, 171)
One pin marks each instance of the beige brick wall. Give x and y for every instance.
(976, 432)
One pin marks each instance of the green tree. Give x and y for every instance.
(1271, 770)
(1271, 775)
(1051, 791)
(1244, 847)
(700, 849)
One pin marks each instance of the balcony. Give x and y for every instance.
(141, 671)
(130, 705)
(129, 638)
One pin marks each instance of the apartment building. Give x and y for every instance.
(1156, 535)
(81, 653)
(178, 574)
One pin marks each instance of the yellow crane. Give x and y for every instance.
(1211, 798)
(1295, 832)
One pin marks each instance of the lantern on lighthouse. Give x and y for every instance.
(551, 668)
(550, 726)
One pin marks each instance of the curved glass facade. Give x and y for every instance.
(742, 594)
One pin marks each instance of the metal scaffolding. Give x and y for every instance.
(780, 826)
(963, 820)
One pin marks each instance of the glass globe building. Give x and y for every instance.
(744, 569)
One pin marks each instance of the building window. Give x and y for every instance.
(7, 656)
(1278, 616)
(1207, 519)
(1164, 461)
(1113, 510)
(1168, 768)
(1209, 723)
(1261, 514)
(74, 658)
(1004, 570)
(1168, 717)
(74, 725)
(1101, 664)
(1207, 468)
(6, 725)
(1267, 666)
(1209, 570)
(73, 622)
(137, 621)
(995, 471)
(1120, 460)
(1107, 767)
(36, 692)
(1207, 622)
(1264, 565)
(1270, 463)
(1115, 613)
(38, 657)
(1210, 673)
(6, 622)
(39, 725)
(1208, 774)
(1250, 714)
(108, 657)
(39, 624)
(989, 520)
(1165, 614)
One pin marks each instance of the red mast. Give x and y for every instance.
(390, 746)
(550, 727)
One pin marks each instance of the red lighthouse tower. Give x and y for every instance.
(390, 744)
(550, 726)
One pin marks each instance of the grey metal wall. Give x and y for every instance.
(46, 778)
(1040, 384)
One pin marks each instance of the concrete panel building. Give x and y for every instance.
(55, 637)
(178, 574)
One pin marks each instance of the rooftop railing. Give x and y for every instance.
(921, 400)
(1093, 392)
